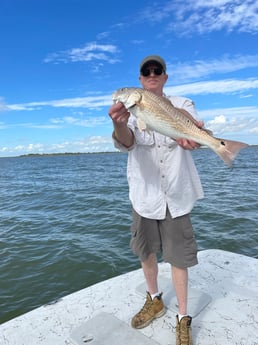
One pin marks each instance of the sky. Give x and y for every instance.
(61, 60)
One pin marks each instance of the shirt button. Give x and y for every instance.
(161, 161)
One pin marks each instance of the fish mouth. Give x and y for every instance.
(114, 98)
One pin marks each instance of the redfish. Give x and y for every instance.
(157, 113)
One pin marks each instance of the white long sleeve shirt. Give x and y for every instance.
(160, 173)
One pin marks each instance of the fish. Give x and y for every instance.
(157, 113)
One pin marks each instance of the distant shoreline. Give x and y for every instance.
(61, 154)
(75, 153)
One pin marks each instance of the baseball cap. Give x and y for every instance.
(153, 58)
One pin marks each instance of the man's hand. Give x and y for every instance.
(190, 144)
(119, 114)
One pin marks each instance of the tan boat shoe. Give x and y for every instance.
(152, 309)
(184, 331)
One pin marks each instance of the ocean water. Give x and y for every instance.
(65, 221)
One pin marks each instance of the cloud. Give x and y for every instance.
(39, 126)
(91, 102)
(83, 102)
(89, 144)
(221, 124)
(202, 16)
(254, 130)
(3, 106)
(241, 120)
(82, 122)
(199, 69)
(229, 86)
(240, 112)
(92, 51)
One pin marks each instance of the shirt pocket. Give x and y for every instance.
(169, 143)
(144, 138)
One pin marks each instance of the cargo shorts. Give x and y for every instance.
(173, 237)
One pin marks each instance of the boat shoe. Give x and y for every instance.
(184, 331)
(152, 309)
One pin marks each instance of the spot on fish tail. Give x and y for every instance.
(223, 143)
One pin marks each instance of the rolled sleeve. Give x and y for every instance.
(121, 147)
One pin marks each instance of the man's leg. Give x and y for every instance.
(153, 308)
(180, 281)
(150, 270)
(183, 321)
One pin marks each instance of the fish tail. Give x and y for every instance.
(229, 149)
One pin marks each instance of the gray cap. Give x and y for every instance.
(153, 58)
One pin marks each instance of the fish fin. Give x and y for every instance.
(141, 125)
(140, 105)
(229, 149)
(133, 99)
(208, 131)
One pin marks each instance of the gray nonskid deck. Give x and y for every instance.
(224, 305)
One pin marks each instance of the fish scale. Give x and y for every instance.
(157, 113)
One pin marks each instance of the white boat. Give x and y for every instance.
(223, 300)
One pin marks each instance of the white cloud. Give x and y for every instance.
(40, 126)
(90, 52)
(206, 16)
(202, 16)
(89, 144)
(82, 122)
(219, 120)
(83, 102)
(103, 35)
(92, 102)
(241, 120)
(3, 106)
(20, 149)
(254, 130)
(221, 124)
(229, 86)
(238, 122)
(246, 112)
(199, 69)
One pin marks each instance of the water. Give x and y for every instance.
(64, 221)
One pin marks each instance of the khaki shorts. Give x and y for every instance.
(173, 237)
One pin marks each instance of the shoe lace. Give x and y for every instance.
(184, 335)
(146, 307)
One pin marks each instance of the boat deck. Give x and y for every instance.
(223, 300)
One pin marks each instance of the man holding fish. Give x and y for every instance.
(163, 185)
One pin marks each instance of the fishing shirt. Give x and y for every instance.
(160, 173)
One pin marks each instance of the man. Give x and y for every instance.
(163, 187)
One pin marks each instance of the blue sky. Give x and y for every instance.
(61, 60)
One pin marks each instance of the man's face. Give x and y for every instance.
(153, 78)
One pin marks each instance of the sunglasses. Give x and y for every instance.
(147, 71)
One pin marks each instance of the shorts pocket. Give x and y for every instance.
(133, 232)
(187, 228)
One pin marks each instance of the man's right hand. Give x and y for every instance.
(119, 114)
